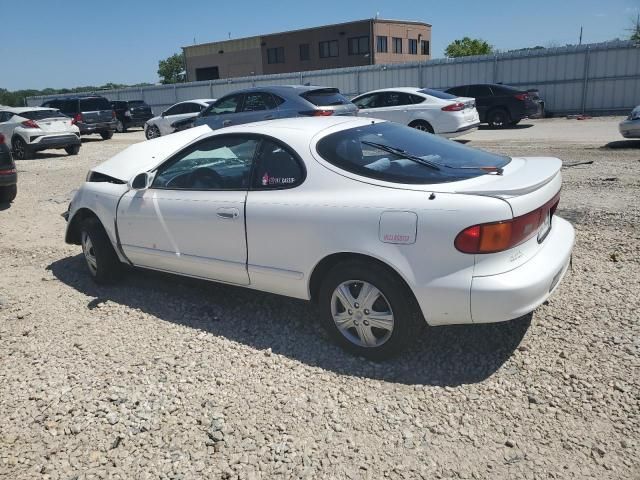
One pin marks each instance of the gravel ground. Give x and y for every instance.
(164, 377)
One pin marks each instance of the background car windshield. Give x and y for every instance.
(346, 150)
(325, 97)
(94, 104)
(437, 93)
(42, 114)
(136, 103)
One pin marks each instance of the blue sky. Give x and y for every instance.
(64, 43)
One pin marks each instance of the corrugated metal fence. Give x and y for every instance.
(595, 78)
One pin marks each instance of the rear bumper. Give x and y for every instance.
(630, 128)
(509, 295)
(7, 179)
(462, 130)
(88, 128)
(54, 141)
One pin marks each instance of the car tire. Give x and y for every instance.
(106, 135)
(8, 193)
(152, 132)
(391, 306)
(101, 259)
(498, 118)
(120, 128)
(72, 150)
(21, 150)
(422, 126)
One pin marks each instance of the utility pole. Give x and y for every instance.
(580, 40)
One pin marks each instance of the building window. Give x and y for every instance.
(329, 49)
(413, 46)
(397, 45)
(304, 52)
(275, 55)
(424, 47)
(358, 46)
(207, 73)
(381, 44)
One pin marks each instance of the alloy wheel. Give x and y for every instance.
(361, 313)
(89, 253)
(19, 149)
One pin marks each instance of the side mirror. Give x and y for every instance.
(142, 181)
(163, 114)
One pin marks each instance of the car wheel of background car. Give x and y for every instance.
(367, 309)
(106, 135)
(72, 150)
(152, 132)
(422, 126)
(21, 150)
(8, 193)
(120, 128)
(498, 118)
(100, 257)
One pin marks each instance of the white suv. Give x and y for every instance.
(30, 129)
(426, 109)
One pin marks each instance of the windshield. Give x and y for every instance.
(42, 114)
(437, 94)
(376, 151)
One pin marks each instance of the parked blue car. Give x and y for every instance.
(267, 103)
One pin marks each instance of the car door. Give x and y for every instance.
(221, 113)
(191, 220)
(257, 106)
(484, 98)
(177, 112)
(7, 126)
(368, 104)
(395, 107)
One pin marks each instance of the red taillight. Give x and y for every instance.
(316, 113)
(454, 107)
(499, 236)
(9, 171)
(521, 96)
(30, 124)
(76, 118)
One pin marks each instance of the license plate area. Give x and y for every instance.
(545, 227)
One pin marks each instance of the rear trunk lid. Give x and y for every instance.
(96, 110)
(526, 183)
(140, 111)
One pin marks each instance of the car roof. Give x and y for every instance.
(201, 101)
(24, 109)
(76, 97)
(283, 89)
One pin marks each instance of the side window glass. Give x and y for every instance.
(258, 101)
(416, 99)
(276, 168)
(369, 101)
(174, 110)
(3, 117)
(230, 104)
(192, 108)
(394, 99)
(218, 163)
(476, 91)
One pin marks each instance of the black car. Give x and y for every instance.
(8, 175)
(130, 113)
(91, 113)
(499, 105)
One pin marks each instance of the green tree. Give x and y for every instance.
(171, 69)
(635, 30)
(468, 46)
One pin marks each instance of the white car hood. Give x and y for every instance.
(145, 156)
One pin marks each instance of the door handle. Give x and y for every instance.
(226, 123)
(228, 213)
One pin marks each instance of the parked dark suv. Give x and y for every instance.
(499, 105)
(91, 113)
(8, 175)
(130, 113)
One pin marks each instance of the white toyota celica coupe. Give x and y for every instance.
(382, 225)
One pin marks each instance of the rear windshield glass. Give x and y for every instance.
(93, 104)
(352, 150)
(437, 93)
(136, 103)
(325, 97)
(42, 114)
(504, 89)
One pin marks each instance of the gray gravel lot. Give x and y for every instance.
(164, 377)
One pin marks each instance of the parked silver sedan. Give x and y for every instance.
(630, 128)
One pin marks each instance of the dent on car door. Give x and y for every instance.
(192, 219)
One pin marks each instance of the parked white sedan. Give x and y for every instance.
(385, 227)
(31, 129)
(630, 127)
(162, 124)
(428, 110)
